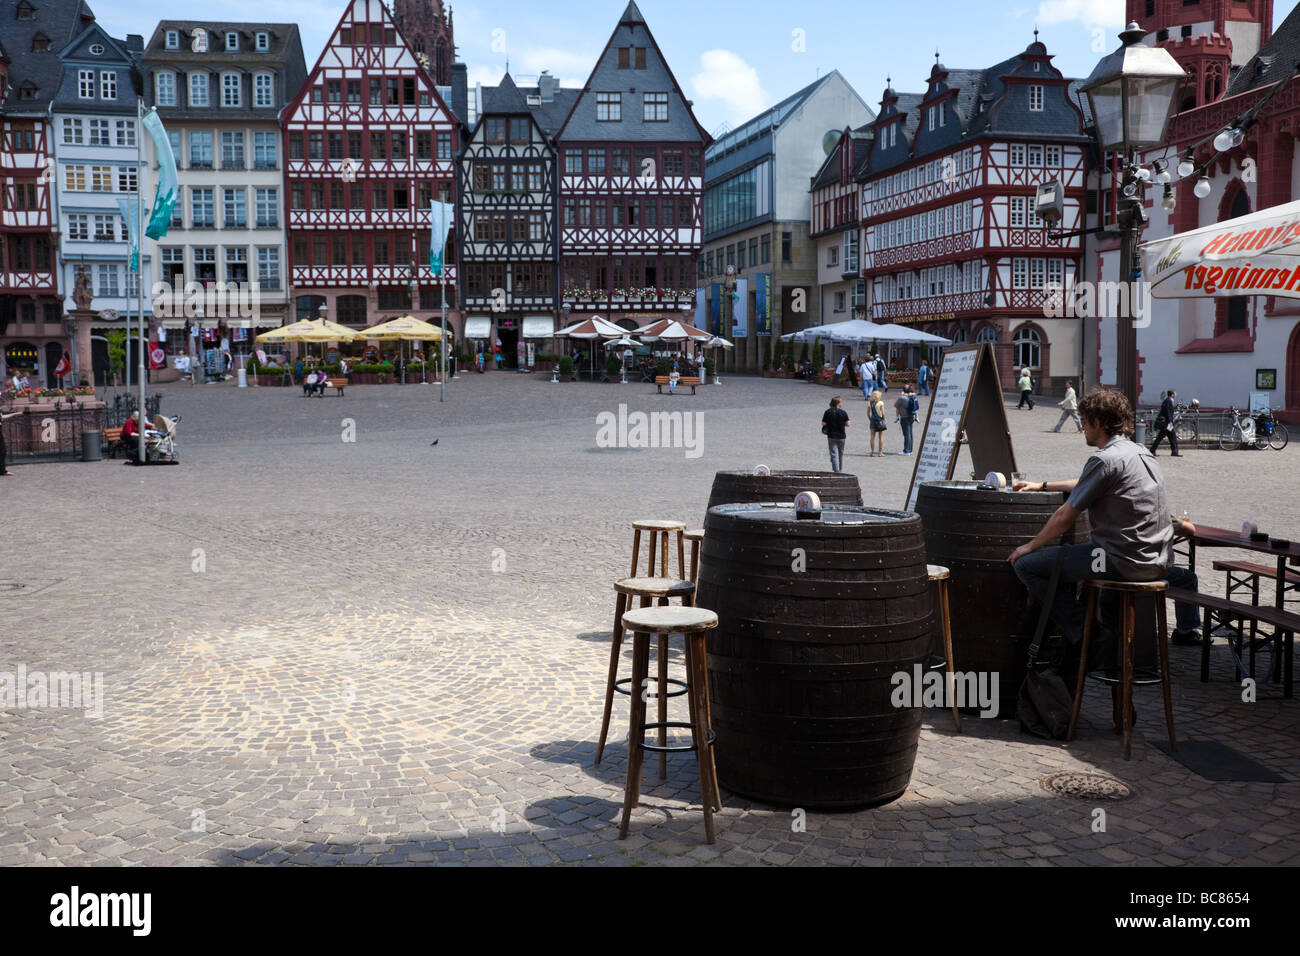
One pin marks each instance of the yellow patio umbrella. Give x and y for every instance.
(287, 333)
(407, 328)
(310, 330)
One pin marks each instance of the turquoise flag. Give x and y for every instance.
(161, 216)
(129, 213)
(440, 216)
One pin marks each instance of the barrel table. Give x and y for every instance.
(815, 618)
(970, 530)
(737, 487)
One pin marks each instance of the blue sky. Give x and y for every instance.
(732, 59)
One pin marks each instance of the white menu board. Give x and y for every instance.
(940, 441)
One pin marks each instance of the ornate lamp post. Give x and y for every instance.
(1131, 94)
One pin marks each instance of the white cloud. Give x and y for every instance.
(1093, 14)
(727, 78)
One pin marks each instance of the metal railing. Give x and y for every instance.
(123, 404)
(53, 435)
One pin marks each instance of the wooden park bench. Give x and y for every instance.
(662, 380)
(337, 383)
(1284, 623)
(113, 442)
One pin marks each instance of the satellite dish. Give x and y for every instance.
(830, 141)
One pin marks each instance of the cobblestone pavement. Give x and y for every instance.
(328, 652)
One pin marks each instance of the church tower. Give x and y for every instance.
(430, 32)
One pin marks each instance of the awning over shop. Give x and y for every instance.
(175, 323)
(538, 327)
(478, 328)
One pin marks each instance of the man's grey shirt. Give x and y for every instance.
(1124, 493)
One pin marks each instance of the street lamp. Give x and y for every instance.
(1131, 94)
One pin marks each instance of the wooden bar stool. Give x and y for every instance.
(939, 575)
(1126, 680)
(695, 536)
(658, 545)
(692, 623)
(647, 589)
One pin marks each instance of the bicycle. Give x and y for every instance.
(1187, 422)
(1241, 432)
(1269, 431)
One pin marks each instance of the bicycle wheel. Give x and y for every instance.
(1187, 432)
(1279, 437)
(1230, 438)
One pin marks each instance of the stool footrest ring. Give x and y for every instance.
(624, 686)
(673, 748)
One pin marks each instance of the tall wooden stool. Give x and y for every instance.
(695, 536)
(939, 575)
(692, 623)
(1126, 680)
(658, 546)
(647, 589)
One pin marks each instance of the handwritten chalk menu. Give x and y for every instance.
(967, 403)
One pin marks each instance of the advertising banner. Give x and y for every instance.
(763, 304)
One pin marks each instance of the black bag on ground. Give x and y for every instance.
(1045, 702)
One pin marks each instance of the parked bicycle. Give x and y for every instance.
(1187, 422)
(1260, 431)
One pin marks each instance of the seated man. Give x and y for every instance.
(1187, 617)
(131, 431)
(309, 384)
(1123, 491)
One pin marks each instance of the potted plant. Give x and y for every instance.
(545, 361)
(566, 366)
(664, 367)
(709, 367)
(613, 367)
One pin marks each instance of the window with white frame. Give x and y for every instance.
(265, 151)
(1031, 216)
(1026, 347)
(268, 267)
(1016, 154)
(609, 107)
(99, 133)
(1037, 273)
(74, 177)
(263, 89)
(833, 256)
(893, 135)
(236, 264)
(930, 118)
(1017, 212)
(173, 40)
(125, 131)
(131, 288)
(73, 132)
(205, 264)
(230, 89)
(107, 281)
(198, 89)
(107, 85)
(200, 149)
(232, 41)
(235, 208)
(959, 337)
(840, 298)
(173, 263)
(1036, 98)
(165, 89)
(1034, 155)
(78, 226)
(127, 179)
(1052, 157)
(987, 334)
(232, 149)
(1056, 273)
(1020, 273)
(86, 84)
(101, 179)
(201, 208)
(268, 207)
(262, 41)
(654, 108)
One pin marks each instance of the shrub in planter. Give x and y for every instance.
(566, 364)
(613, 366)
(664, 367)
(709, 366)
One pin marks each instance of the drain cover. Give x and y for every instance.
(1088, 786)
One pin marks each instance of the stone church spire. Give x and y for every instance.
(428, 30)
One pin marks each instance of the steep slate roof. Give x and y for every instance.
(61, 21)
(1274, 61)
(514, 99)
(116, 57)
(582, 125)
(283, 39)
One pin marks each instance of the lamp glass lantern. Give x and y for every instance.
(1131, 94)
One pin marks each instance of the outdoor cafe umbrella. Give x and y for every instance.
(309, 330)
(405, 329)
(671, 330)
(593, 328)
(1257, 254)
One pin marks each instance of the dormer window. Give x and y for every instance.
(232, 41)
(26, 11)
(1035, 98)
(199, 41)
(27, 90)
(262, 41)
(173, 40)
(40, 43)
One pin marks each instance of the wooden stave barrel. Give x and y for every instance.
(766, 647)
(991, 629)
(742, 487)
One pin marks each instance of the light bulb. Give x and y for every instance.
(1229, 138)
(1129, 189)
(1162, 171)
(1168, 202)
(1202, 187)
(1143, 174)
(1186, 167)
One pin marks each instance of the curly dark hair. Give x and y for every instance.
(1108, 410)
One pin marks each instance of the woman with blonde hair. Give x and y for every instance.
(877, 410)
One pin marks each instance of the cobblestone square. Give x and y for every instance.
(320, 651)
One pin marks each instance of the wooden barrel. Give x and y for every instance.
(971, 531)
(738, 487)
(814, 619)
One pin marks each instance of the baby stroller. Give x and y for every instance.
(160, 441)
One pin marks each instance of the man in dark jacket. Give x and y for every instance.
(1165, 425)
(834, 420)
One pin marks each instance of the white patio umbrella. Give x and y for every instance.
(623, 343)
(906, 335)
(1257, 254)
(590, 329)
(851, 330)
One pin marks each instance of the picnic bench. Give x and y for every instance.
(1246, 574)
(1284, 623)
(662, 380)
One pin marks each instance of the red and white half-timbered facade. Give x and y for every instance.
(369, 144)
(836, 228)
(631, 181)
(950, 238)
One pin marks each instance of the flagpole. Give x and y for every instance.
(139, 258)
(442, 344)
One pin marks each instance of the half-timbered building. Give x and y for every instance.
(506, 218)
(369, 144)
(836, 227)
(951, 241)
(631, 180)
(33, 32)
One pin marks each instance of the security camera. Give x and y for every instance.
(1049, 203)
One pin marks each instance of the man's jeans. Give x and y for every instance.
(836, 446)
(906, 424)
(1066, 415)
(1186, 616)
(1080, 562)
(923, 388)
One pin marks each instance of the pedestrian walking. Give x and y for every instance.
(1164, 426)
(881, 382)
(906, 406)
(866, 377)
(1026, 389)
(834, 422)
(923, 378)
(878, 426)
(1070, 406)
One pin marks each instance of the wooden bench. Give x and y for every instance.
(336, 383)
(1251, 574)
(662, 380)
(1284, 623)
(113, 442)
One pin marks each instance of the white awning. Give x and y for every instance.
(175, 323)
(478, 328)
(539, 327)
(240, 324)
